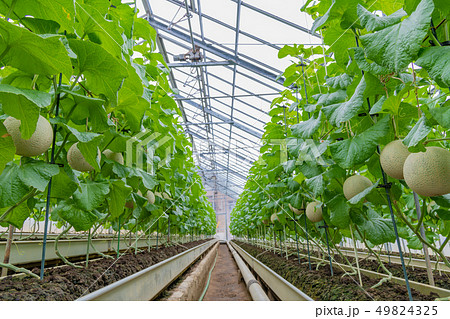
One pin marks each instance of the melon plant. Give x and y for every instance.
(113, 156)
(39, 142)
(392, 158)
(265, 221)
(354, 185)
(77, 161)
(428, 173)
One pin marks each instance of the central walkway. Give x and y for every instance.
(226, 283)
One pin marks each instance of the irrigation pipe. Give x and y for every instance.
(209, 277)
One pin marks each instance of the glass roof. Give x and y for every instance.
(225, 96)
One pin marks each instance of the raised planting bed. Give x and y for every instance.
(441, 279)
(68, 283)
(321, 286)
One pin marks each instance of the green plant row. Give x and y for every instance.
(88, 71)
(382, 77)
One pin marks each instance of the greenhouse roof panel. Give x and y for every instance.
(225, 94)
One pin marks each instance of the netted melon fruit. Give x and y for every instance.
(38, 143)
(392, 158)
(77, 161)
(428, 173)
(150, 197)
(314, 212)
(117, 157)
(274, 217)
(355, 184)
(166, 196)
(295, 210)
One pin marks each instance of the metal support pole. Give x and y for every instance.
(425, 249)
(118, 239)
(307, 242)
(49, 188)
(296, 237)
(328, 246)
(157, 233)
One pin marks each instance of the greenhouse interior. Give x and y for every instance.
(193, 150)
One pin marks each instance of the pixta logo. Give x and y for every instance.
(307, 150)
(142, 147)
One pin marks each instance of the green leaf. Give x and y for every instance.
(366, 66)
(344, 10)
(339, 82)
(61, 11)
(307, 128)
(339, 211)
(117, 198)
(7, 148)
(339, 40)
(338, 113)
(91, 195)
(104, 32)
(37, 174)
(23, 105)
(133, 107)
(316, 185)
(104, 73)
(33, 53)
(396, 46)
(80, 219)
(64, 183)
(41, 26)
(376, 229)
(91, 152)
(436, 60)
(373, 22)
(443, 214)
(18, 216)
(442, 115)
(378, 106)
(359, 197)
(356, 150)
(12, 188)
(418, 133)
(331, 98)
(83, 137)
(443, 200)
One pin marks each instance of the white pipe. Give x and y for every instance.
(252, 284)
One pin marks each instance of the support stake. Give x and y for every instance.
(425, 249)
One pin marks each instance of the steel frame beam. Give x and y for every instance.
(198, 64)
(277, 18)
(214, 50)
(223, 118)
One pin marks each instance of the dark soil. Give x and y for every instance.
(226, 281)
(414, 273)
(68, 283)
(321, 286)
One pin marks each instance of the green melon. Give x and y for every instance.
(428, 173)
(117, 157)
(274, 217)
(38, 143)
(76, 159)
(392, 158)
(355, 184)
(314, 212)
(151, 197)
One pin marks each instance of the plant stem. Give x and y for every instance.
(75, 82)
(19, 269)
(8, 250)
(436, 140)
(57, 251)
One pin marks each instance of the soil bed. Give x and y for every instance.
(68, 283)
(321, 286)
(417, 274)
